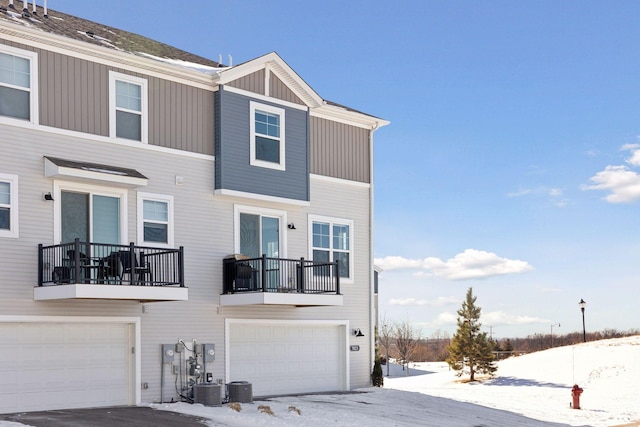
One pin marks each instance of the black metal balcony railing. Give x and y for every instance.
(280, 275)
(107, 264)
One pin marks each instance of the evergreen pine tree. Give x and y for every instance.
(377, 378)
(470, 350)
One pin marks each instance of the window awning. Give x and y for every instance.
(70, 169)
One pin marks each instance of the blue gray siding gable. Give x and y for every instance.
(232, 148)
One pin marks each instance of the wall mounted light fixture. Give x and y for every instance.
(48, 197)
(291, 226)
(358, 333)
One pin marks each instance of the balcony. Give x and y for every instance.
(83, 270)
(279, 281)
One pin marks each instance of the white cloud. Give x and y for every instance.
(470, 264)
(438, 302)
(622, 183)
(555, 194)
(502, 318)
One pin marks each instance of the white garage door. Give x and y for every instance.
(285, 358)
(64, 365)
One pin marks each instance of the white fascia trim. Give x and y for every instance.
(344, 324)
(280, 68)
(264, 98)
(280, 298)
(340, 181)
(352, 118)
(97, 138)
(135, 321)
(110, 292)
(261, 197)
(106, 56)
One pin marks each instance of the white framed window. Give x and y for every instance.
(331, 240)
(8, 205)
(258, 231)
(155, 220)
(267, 145)
(128, 107)
(90, 213)
(18, 84)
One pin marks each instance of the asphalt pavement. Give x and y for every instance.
(121, 416)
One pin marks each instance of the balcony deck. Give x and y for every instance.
(88, 270)
(280, 281)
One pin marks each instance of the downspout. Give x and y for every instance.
(372, 321)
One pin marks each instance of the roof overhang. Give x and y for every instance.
(83, 171)
(280, 68)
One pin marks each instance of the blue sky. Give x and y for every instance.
(512, 162)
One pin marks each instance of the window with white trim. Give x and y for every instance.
(8, 205)
(267, 146)
(155, 219)
(18, 84)
(128, 107)
(332, 240)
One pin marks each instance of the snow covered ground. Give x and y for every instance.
(531, 390)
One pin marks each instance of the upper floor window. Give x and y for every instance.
(331, 241)
(267, 147)
(155, 219)
(127, 107)
(8, 205)
(18, 91)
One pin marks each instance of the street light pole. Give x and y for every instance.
(555, 324)
(582, 305)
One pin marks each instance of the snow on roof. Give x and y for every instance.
(206, 69)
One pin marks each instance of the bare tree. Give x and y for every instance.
(407, 340)
(385, 338)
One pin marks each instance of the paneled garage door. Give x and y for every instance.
(64, 365)
(287, 358)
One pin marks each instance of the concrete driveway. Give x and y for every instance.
(122, 416)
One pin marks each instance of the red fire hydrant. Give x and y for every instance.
(575, 393)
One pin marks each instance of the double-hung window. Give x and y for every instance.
(331, 241)
(18, 85)
(267, 145)
(127, 107)
(8, 205)
(155, 219)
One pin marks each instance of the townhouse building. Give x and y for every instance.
(167, 221)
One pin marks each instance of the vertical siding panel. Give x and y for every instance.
(58, 85)
(339, 150)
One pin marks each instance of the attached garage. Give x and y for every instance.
(284, 358)
(66, 364)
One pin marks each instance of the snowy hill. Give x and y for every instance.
(538, 385)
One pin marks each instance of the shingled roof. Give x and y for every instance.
(92, 32)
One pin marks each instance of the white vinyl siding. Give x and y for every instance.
(155, 219)
(267, 145)
(8, 205)
(18, 84)
(128, 107)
